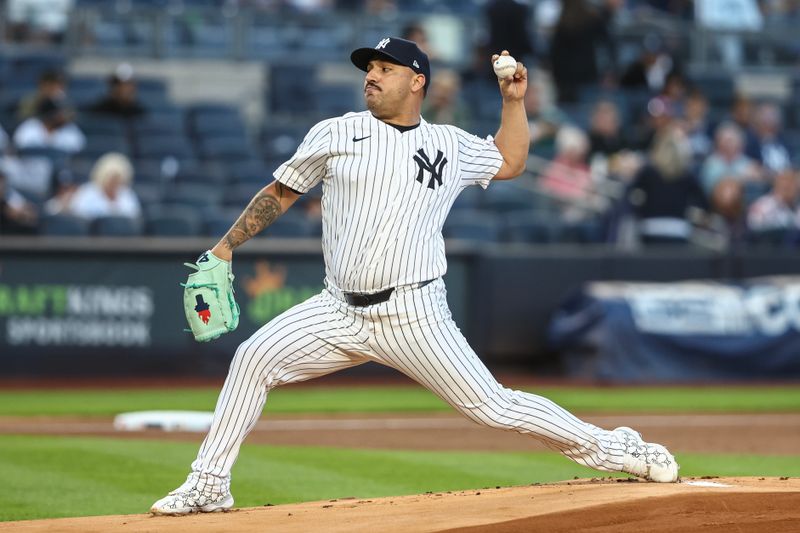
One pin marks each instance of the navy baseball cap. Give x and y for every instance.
(396, 50)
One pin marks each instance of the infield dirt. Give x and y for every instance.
(598, 505)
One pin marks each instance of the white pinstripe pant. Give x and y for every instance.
(412, 332)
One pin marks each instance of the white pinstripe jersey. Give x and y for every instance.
(386, 194)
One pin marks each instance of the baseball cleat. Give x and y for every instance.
(650, 461)
(194, 496)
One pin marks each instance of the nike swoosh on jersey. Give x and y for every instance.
(355, 140)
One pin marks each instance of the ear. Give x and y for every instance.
(418, 83)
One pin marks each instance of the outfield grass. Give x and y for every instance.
(399, 399)
(80, 476)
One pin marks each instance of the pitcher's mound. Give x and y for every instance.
(598, 505)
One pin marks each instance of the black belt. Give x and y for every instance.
(360, 299)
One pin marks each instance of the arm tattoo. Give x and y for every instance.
(262, 211)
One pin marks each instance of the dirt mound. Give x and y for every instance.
(599, 505)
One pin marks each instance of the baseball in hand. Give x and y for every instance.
(505, 66)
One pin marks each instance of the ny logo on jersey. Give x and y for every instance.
(382, 44)
(434, 168)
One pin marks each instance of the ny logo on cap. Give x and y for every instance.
(416, 65)
(382, 44)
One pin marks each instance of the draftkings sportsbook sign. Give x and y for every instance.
(76, 315)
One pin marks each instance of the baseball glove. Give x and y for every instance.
(208, 301)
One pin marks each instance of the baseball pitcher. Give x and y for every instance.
(389, 179)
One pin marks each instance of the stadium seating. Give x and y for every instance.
(773, 238)
(85, 90)
(291, 224)
(505, 196)
(249, 171)
(211, 124)
(193, 194)
(589, 231)
(100, 125)
(114, 226)
(239, 195)
(531, 227)
(469, 198)
(288, 92)
(97, 145)
(472, 225)
(64, 225)
(202, 154)
(204, 175)
(174, 223)
(281, 140)
(149, 193)
(335, 100)
(218, 222)
(225, 148)
(164, 146)
(154, 125)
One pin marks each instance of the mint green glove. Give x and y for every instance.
(208, 301)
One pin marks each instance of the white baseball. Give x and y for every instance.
(505, 66)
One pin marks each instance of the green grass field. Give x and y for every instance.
(372, 399)
(79, 476)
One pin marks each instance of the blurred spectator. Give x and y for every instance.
(778, 208)
(567, 177)
(51, 128)
(727, 200)
(581, 32)
(728, 160)
(610, 153)
(121, 99)
(766, 145)
(659, 114)
(741, 114)
(17, 215)
(675, 90)
(605, 135)
(665, 188)
(59, 203)
(38, 21)
(651, 68)
(509, 23)
(544, 119)
(478, 70)
(31, 176)
(415, 32)
(51, 86)
(741, 110)
(108, 192)
(442, 104)
(697, 125)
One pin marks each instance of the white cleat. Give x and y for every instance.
(650, 461)
(194, 496)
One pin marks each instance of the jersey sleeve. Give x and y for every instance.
(479, 160)
(307, 166)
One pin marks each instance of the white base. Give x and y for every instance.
(198, 421)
